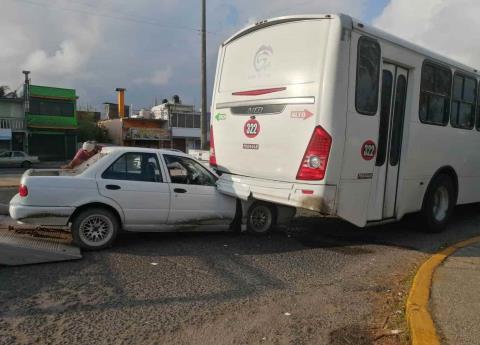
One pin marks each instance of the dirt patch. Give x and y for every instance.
(390, 306)
(352, 335)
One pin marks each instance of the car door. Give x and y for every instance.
(194, 196)
(17, 158)
(135, 181)
(5, 158)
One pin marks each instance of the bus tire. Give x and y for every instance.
(438, 204)
(261, 218)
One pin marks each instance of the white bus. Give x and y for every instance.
(325, 113)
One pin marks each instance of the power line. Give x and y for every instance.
(130, 18)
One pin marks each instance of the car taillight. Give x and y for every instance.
(314, 162)
(23, 190)
(213, 159)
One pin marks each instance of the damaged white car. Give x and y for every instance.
(133, 189)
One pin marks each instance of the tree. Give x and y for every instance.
(89, 130)
(3, 90)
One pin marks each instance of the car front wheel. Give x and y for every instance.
(94, 229)
(261, 218)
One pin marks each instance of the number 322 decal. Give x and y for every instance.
(369, 150)
(251, 128)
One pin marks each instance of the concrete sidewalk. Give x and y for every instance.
(455, 298)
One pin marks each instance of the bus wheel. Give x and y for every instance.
(261, 218)
(438, 204)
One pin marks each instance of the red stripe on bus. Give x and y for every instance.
(258, 92)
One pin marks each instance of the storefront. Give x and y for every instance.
(138, 132)
(5, 139)
(53, 145)
(52, 123)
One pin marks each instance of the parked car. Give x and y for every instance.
(17, 159)
(134, 189)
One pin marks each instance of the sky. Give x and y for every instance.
(152, 47)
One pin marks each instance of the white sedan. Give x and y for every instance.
(17, 159)
(134, 189)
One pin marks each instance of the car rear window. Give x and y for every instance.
(89, 162)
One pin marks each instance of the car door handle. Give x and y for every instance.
(112, 187)
(180, 190)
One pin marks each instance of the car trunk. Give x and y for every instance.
(266, 100)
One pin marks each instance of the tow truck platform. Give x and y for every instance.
(26, 246)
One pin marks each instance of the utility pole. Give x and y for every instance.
(203, 116)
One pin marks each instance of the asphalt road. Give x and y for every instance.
(315, 282)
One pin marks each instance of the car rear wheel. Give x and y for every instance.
(261, 218)
(438, 204)
(26, 164)
(94, 229)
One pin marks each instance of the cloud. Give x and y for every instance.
(95, 46)
(444, 26)
(159, 77)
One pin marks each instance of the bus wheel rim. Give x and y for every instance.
(440, 204)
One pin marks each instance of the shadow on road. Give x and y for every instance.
(234, 264)
(311, 232)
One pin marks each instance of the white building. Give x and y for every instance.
(184, 123)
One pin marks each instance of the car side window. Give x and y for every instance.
(183, 170)
(134, 166)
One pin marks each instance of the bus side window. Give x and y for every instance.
(368, 76)
(435, 94)
(464, 101)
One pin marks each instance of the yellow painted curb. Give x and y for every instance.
(422, 328)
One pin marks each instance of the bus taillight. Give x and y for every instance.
(314, 162)
(213, 159)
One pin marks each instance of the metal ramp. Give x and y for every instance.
(32, 247)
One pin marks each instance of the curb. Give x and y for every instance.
(420, 322)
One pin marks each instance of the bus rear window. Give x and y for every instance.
(279, 55)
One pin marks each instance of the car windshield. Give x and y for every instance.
(4, 154)
(89, 162)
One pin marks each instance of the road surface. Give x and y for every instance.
(315, 282)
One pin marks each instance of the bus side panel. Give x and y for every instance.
(355, 184)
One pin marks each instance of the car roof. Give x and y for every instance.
(113, 149)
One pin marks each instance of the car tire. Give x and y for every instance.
(95, 229)
(261, 218)
(438, 204)
(27, 164)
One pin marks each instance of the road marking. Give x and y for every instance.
(420, 322)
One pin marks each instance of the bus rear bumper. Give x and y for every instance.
(314, 197)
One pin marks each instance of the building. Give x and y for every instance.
(51, 122)
(13, 131)
(88, 116)
(153, 133)
(111, 110)
(168, 125)
(183, 122)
